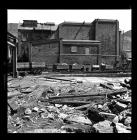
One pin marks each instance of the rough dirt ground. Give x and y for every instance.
(35, 116)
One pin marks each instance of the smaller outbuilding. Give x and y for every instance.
(80, 52)
(12, 54)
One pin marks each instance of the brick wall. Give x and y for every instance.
(40, 35)
(80, 56)
(48, 53)
(69, 32)
(106, 33)
(25, 36)
(80, 49)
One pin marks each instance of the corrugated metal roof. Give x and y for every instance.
(39, 27)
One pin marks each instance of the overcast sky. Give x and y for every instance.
(59, 16)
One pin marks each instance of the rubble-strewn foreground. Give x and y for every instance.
(37, 104)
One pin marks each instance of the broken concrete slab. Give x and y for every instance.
(78, 119)
(62, 115)
(127, 121)
(28, 111)
(105, 107)
(13, 94)
(94, 116)
(116, 119)
(120, 106)
(121, 128)
(103, 127)
(35, 109)
(78, 128)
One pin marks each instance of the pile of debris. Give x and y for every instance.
(68, 106)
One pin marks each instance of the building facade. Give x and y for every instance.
(46, 51)
(69, 42)
(107, 31)
(31, 31)
(80, 51)
(73, 31)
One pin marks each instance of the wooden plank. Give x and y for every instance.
(57, 78)
(70, 102)
(106, 86)
(124, 101)
(88, 95)
(84, 106)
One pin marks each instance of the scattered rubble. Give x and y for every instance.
(103, 127)
(37, 105)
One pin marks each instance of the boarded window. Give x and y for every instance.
(86, 50)
(73, 48)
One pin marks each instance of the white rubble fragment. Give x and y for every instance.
(62, 115)
(116, 119)
(120, 117)
(64, 107)
(121, 128)
(50, 115)
(28, 111)
(127, 121)
(58, 105)
(44, 115)
(103, 127)
(100, 106)
(79, 119)
(36, 109)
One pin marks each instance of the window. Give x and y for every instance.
(86, 50)
(73, 48)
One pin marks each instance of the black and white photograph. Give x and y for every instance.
(69, 71)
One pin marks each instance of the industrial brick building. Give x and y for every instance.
(73, 31)
(46, 51)
(80, 51)
(107, 31)
(69, 42)
(31, 31)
